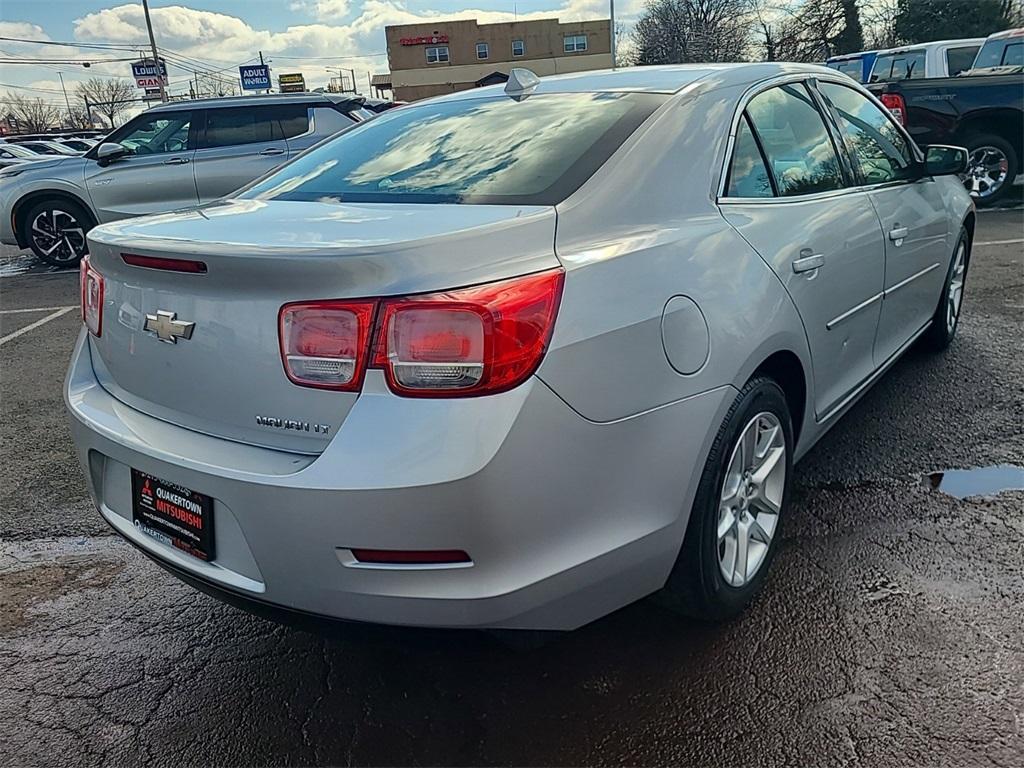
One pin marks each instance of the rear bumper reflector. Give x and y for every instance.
(411, 556)
(168, 265)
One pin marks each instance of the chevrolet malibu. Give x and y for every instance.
(518, 356)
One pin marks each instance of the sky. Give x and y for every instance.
(310, 36)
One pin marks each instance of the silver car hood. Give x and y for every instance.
(44, 164)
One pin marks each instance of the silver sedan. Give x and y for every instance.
(515, 357)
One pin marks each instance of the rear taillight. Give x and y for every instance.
(461, 343)
(896, 105)
(324, 343)
(91, 286)
(473, 341)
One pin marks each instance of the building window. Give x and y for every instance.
(518, 48)
(482, 51)
(575, 43)
(438, 54)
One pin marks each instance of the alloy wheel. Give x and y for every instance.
(751, 498)
(955, 294)
(58, 235)
(987, 169)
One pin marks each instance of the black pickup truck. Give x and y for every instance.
(982, 110)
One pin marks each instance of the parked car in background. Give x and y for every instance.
(13, 154)
(1000, 51)
(982, 109)
(49, 147)
(856, 65)
(79, 145)
(942, 58)
(517, 356)
(172, 156)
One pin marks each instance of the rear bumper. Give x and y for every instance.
(566, 520)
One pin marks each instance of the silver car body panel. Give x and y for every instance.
(571, 492)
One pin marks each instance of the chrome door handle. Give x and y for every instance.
(176, 161)
(272, 151)
(897, 233)
(809, 262)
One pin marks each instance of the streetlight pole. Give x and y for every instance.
(71, 118)
(152, 45)
(611, 13)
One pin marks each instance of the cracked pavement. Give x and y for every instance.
(891, 630)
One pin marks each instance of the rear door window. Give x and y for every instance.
(491, 150)
(239, 125)
(1013, 55)
(748, 175)
(796, 144)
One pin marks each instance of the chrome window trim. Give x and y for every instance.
(832, 76)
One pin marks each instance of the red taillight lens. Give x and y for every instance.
(473, 341)
(467, 342)
(896, 105)
(324, 343)
(91, 286)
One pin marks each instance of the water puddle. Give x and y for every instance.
(14, 263)
(980, 481)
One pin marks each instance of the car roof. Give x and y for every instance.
(669, 78)
(221, 102)
(932, 44)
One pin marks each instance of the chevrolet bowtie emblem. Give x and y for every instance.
(167, 328)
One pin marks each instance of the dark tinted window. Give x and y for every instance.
(238, 125)
(852, 67)
(1013, 55)
(484, 150)
(880, 149)
(960, 59)
(293, 118)
(797, 145)
(898, 66)
(748, 176)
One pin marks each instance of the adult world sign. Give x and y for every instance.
(255, 77)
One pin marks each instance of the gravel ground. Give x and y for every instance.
(890, 632)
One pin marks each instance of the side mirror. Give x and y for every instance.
(109, 151)
(941, 160)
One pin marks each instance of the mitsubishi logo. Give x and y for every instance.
(167, 328)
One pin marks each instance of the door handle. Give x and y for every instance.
(176, 161)
(897, 233)
(272, 151)
(808, 261)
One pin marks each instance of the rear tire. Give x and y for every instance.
(946, 319)
(56, 229)
(992, 167)
(743, 494)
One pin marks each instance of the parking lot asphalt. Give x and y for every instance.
(891, 630)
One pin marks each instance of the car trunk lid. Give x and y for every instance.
(226, 378)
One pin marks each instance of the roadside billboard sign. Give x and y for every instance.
(255, 77)
(147, 74)
(291, 83)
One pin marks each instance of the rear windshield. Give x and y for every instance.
(852, 67)
(906, 65)
(491, 150)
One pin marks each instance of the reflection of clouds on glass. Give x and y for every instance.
(492, 147)
(288, 184)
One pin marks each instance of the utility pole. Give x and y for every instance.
(268, 71)
(611, 13)
(156, 58)
(71, 118)
(195, 79)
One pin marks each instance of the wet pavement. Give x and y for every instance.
(891, 630)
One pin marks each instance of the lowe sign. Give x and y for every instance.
(255, 77)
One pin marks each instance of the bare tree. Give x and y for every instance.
(32, 115)
(810, 31)
(107, 95)
(880, 23)
(678, 31)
